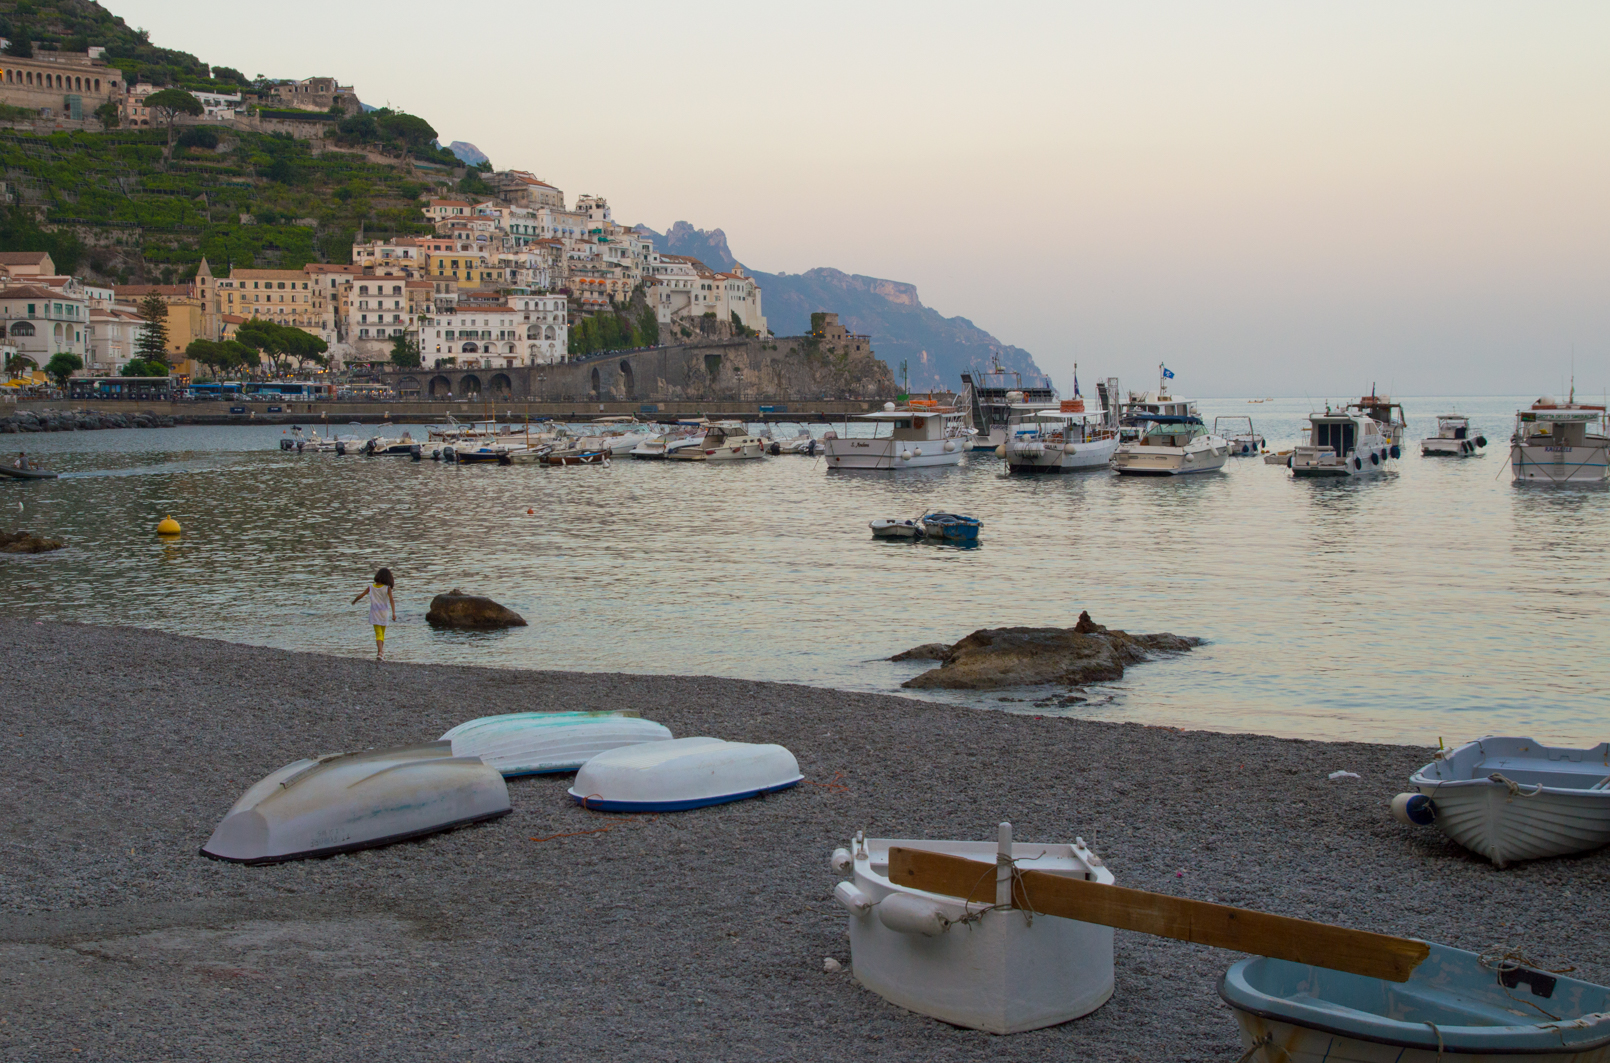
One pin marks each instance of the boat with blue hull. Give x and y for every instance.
(682, 774)
(951, 527)
(1456, 1005)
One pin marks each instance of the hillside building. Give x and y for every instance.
(69, 84)
(283, 296)
(524, 189)
(315, 94)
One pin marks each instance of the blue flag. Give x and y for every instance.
(1076, 385)
(1168, 374)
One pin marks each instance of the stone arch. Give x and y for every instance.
(548, 333)
(598, 390)
(629, 379)
(471, 348)
(501, 384)
(408, 385)
(534, 332)
(22, 328)
(470, 385)
(441, 387)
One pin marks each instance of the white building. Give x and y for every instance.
(41, 321)
(114, 332)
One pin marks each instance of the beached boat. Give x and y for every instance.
(1389, 415)
(1344, 443)
(1171, 439)
(1238, 434)
(535, 743)
(26, 474)
(1057, 439)
(1453, 439)
(682, 773)
(952, 527)
(1561, 442)
(722, 441)
(1456, 1005)
(889, 528)
(974, 964)
(1512, 799)
(920, 434)
(347, 801)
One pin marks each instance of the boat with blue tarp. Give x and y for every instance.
(952, 527)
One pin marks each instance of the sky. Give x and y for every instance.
(1272, 198)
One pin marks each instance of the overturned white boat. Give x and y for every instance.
(534, 743)
(1512, 799)
(980, 964)
(346, 801)
(682, 773)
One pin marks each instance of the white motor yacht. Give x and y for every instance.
(1453, 439)
(1171, 441)
(922, 433)
(1059, 440)
(1561, 442)
(659, 447)
(1342, 443)
(1387, 415)
(722, 441)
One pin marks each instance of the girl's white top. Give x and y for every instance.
(379, 605)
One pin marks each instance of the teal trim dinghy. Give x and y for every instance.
(536, 743)
(1457, 1006)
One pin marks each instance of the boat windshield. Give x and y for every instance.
(1338, 435)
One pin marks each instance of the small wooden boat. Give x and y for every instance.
(535, 743)
(27, 474)
(1512, 799)
(682, 773)
(575, 457)
(952, 527)
(1455, 1006)
(335, 804)
(895, 529)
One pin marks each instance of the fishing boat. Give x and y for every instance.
(920, 434)
(1453, 439)
(537, 743)
(1456, 1005)
(1239, 435)
(1343, 443)
(1512, 799)
(889, 528)
(335, 804)
(26, 474)
(722, 441)
(682, 773)
(1561, 442)
(952, 527)
(1171, 437)
(1387, 414)
(978, 964)
(1060, 439)
(577, 455)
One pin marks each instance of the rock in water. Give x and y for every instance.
(928, 651)
(992, 658)
(460, 610)
(26, 543)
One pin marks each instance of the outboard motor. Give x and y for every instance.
(416, 452)
(286, 443)
(340, 448)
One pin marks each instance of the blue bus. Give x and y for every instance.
(293, 390)
(225, 390)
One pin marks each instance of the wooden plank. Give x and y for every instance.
(1242, 930)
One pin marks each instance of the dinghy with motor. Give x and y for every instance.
(975, 963)
(1456, 1005)
(536, 743)
(346, 801)
(682, 773)
(1512, 799)
(26, 474)
(888, 528)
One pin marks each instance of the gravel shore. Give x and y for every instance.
(692, 936)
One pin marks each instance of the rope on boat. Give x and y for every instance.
(1266, 1041)
(1018, 891)
(1514, 787)
(1502, 958)
(1438, 1032)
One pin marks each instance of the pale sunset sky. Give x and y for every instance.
(1273, 198)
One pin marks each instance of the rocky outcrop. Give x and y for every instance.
(27, 543)
(48, 420)
(470, 612)
(993, 658)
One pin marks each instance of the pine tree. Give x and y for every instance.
(152, 344)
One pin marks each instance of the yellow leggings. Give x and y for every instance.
(380, 632)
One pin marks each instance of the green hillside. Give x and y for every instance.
(75, 25)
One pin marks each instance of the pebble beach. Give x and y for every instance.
(555, 932)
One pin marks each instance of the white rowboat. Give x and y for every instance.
(682, 773)
(535, 743)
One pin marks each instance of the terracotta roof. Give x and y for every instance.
(233, 319)
(320, 267)
(28, 291)
(176, 290)
(21, 258)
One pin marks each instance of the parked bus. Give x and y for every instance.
(292, 390)
(159, 388)
(224, 390)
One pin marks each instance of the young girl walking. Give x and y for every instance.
(382, 608)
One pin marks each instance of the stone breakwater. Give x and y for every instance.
(79, 421)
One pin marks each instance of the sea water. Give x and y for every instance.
(1440, 599)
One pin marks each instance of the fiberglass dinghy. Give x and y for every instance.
(346, 801)
(534, 743)
(682, 773)
(1514, 799)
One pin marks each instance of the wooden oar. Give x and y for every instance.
(1259, 933)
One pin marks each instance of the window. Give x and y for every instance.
(22, 328)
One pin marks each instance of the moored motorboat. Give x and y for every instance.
(919, 434)
(952, 527)
(890, 528)
(659, 447)
(978, 964)
(1388, 415)
(1510, 799)
(1343, 443)
(1553, 442)
(1171, 439)
(802, 443)
(1456, 1005)
(579, 455)
(1453, 439)
(681, 774)
(1057, 439)
(535, 743)
(1242, 439)
(402, 446)
(722, 441)
(334, 804)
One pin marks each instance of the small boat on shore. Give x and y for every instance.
(1512, 799)
(889, 528)
(681, 774)
(1453, 439)
(537, 743)
(336, 804)
(952, 527)
(1456, 1005)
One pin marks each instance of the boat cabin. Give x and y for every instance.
(1557, 425)
(1338, 431)
(1380, 409)
(1453, 426)
(916, 423)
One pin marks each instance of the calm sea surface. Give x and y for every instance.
(1438, 600)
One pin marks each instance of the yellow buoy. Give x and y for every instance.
(169, 526)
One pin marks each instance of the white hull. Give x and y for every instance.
(1207, 454)
(682, 774)
(1487, 819)
(1449, 448)
(1245, 446)
(725, 452)
(1057, 457)
(1319, 463)
(1561, 464)
(534, 743)
(851, 453)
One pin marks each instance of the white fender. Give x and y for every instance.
(842, 860)
(906, 914)
(850, 895)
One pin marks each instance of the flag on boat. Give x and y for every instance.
(1076, 384)
(1168, 374)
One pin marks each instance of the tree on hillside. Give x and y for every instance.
(168, 105)
(413, 131)
(152, 343)
(21, 47)
(62, 366)
(109, 115)
(404, 352)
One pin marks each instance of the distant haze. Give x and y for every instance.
(1273, 198)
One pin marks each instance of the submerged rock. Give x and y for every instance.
(992, 658)
(928, 651)
(460, 610)
(27, 543)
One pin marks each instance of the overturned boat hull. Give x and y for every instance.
(682, 774)
(537, 743)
